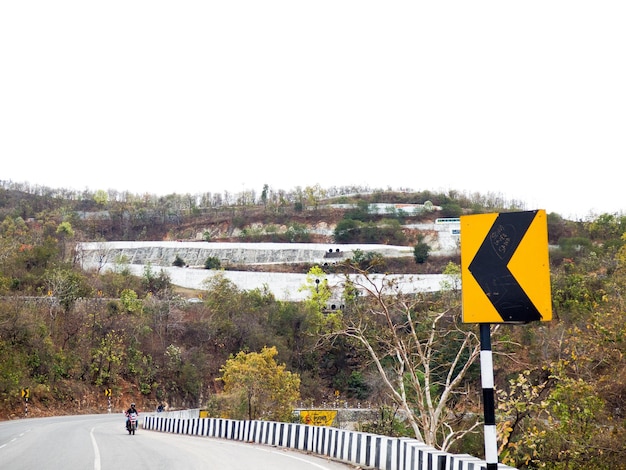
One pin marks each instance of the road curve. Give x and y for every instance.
(100, 442)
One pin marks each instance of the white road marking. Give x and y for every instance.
(96, 451)
(14, 439)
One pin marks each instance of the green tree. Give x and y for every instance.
(369, 261)
(574, 406)
(65, 231)
(574, 247)
(298, 233)
(347, 230)
(260, 388)
(107, 358)
(317, 286)
(130, 301)
(361, 212)
(159, 285)
(101, 197)
(265, 195)
(606, 226)
(568, 415)
(552, 422)
(212, 262)
(12, 370)
(451, 209)
(421, 252)
(314, 195)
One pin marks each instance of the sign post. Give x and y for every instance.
(107, 393)
(26, 396)
(489, 399)
(505, 276)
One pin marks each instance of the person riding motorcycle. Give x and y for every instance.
(130, 411)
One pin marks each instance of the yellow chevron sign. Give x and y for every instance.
(505, 270)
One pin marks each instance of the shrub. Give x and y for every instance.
(421, 252)
(347, 230)
(212, 263)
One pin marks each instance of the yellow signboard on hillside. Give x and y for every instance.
(318, 417)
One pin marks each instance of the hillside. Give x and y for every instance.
(67, 333)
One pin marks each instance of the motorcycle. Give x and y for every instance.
(131, 423)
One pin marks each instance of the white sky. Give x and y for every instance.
(523, 99)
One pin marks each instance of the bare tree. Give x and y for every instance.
(98, 257)
(421, 350)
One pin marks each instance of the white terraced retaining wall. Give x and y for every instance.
(284, 286)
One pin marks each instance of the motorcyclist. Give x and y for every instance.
(130, 411)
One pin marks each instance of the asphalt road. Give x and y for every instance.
(101, 442)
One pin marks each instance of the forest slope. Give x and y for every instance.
(68, 333)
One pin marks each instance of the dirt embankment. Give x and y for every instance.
(72, 398)
(434, 265)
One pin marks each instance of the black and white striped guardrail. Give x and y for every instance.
(358, 448)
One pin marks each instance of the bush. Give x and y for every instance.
(347, 230)
(212, 263)
(389, 423)
(357, 388)
(179, 262)
(451, 209)
(421, 252)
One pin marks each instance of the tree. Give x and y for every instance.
(67, 286)
(568, 414)
(317, 285)
(421, 252)
(65, 231)
(422, 354)
(264, 195)
(369, 261)
(212, 262)
(314, 195)
(130, 301)
(159, 285)
(101, 197)
(551, 421)
(297, 233)
(347, 230)
(260, 387)
(106, 358)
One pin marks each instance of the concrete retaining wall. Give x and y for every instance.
(357, 448)
(196, 253)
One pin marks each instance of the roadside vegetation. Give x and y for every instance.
(68, 335)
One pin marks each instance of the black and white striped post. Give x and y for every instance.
(489, 402)
(26, 396)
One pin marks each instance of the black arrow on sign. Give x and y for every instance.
(489, 267)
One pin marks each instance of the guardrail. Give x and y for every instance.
(358, 448)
